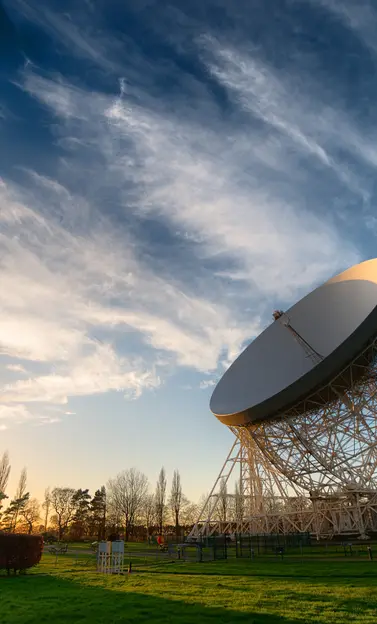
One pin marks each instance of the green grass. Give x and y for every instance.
(262, 591)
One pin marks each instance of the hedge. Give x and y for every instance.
(19, 551)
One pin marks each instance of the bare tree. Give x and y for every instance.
(21, 488)
(160, 499)
(30, 514)
(63, 504)
(176, 500)
(223, 502)
(46, 506)
(239, 503)
(203, 500)
(4, 473)
(189, 514)
(149, 511)
(113, 515)
(126, 494)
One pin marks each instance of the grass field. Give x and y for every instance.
(262, 591)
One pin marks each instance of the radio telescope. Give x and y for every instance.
(301, 401)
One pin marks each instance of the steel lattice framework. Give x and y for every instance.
(312, 468)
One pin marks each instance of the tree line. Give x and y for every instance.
(126, 505)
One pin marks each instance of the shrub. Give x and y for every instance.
(19, 552)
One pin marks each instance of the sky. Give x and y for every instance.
(170, 173)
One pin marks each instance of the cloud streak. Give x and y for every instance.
(361, 18)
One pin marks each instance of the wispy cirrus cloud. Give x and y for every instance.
(275, 103)
(360, 17)
(64, 30)
(64, 288)
(159, 157)
(95, 280)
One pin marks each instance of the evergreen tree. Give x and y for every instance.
(80, 520)
(98, 513)
(17, 505)
(13, 512)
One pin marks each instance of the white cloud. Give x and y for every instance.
(60, 288)
(47, 420)
(100, 372)
(16, 368)
(57, 311)
(207, 383)
(15, 414)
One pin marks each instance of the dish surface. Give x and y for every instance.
(337, 320)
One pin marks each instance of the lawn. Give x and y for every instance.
(262, 591)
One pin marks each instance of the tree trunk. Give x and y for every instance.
(177, 523)
(103, 525)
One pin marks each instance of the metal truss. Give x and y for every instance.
(329, 441)
(312, 468)
(261, 497)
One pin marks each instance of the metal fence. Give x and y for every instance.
(249, 545)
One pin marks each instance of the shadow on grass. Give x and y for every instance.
(301, 573)
(38, 599)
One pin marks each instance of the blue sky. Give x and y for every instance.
(170, 174)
